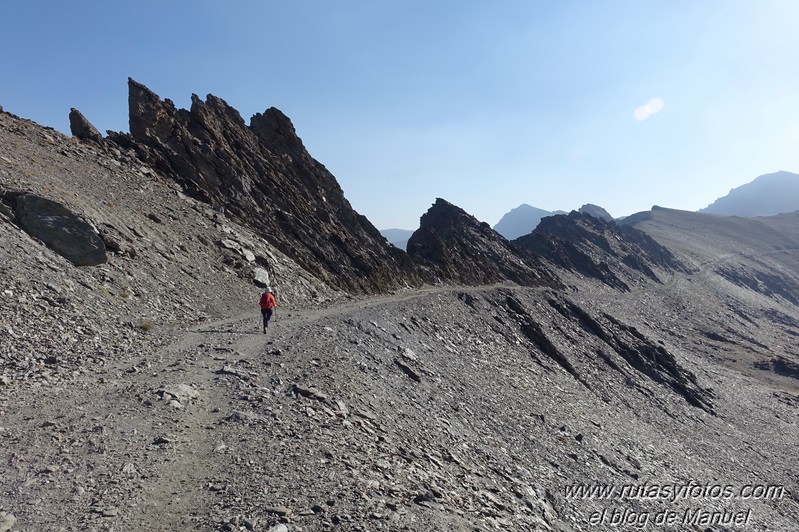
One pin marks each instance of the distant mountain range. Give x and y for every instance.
(767, 195)
(397, 237)
(521, 221)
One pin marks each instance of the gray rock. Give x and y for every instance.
(183, 393)
(7, 521)
(60, 229)
(82, 128)
(281, 511)
(260, 277)
(242, 417)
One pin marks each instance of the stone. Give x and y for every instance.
(281, 511)
(260, 277)
(220, 447)
(310, 392)
(7, 521)
(183, 393)
(410, 372)
(240, 416)
(60, 229)
(82, 128)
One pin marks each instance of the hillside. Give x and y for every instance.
(767, 195)
(471, 384)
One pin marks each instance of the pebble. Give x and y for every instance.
(7, 521)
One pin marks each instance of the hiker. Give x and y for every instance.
(267, 304)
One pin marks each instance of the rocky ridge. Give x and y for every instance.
(263, 176)
(601, 249)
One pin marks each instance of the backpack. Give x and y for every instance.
(264, 302)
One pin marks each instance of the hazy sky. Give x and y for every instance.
(554, 103)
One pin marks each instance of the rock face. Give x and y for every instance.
(263, 176)
(82, 128)
(58, 228)
(454, 246)
(599, 249)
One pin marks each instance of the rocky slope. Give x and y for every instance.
(599, 249)
(140, 393)
(165, 259)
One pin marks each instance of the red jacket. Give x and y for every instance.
(267, 301)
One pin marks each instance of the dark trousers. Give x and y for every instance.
(267, 314)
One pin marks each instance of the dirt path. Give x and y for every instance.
(218, 360)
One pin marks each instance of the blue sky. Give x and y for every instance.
(553, 103)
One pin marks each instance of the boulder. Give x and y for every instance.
(260, 277)
(59, 229)
(82, 128)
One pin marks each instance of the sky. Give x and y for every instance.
(554, 103)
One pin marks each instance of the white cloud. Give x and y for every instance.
(648, 109)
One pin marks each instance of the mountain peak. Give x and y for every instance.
(596, 211)
(452, 245)
(767, 195)
(521, 221)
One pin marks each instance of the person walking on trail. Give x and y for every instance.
(267, 304)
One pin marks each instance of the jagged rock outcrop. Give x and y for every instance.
(601, 249)
(82, 128)
(57, 227)
(453, 245)
(262, 175)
